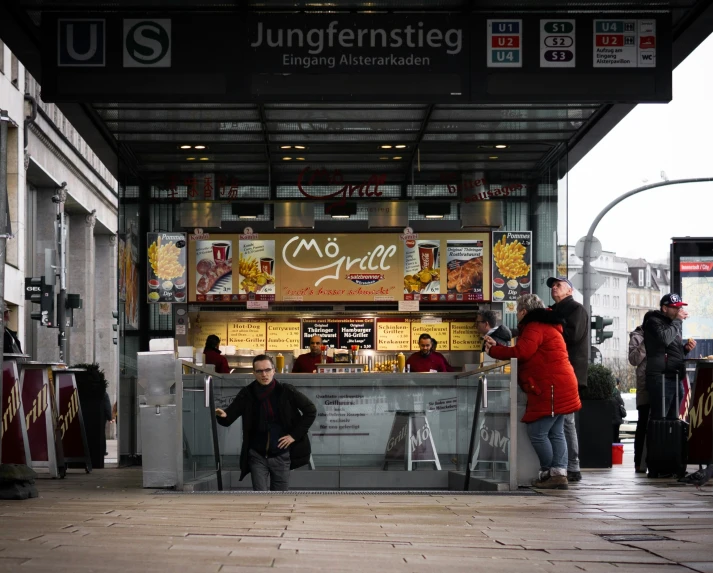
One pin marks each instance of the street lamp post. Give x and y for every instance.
(587, 290)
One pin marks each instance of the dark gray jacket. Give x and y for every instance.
(501, 335)
(665, 352)
(576, 335)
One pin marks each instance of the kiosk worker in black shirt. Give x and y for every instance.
(276, 418)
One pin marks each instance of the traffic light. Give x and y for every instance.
(115, 326)
(598, 325)
(43, 294)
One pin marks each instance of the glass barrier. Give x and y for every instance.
(200, 441)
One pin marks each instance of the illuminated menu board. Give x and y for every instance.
(439, 330)
(393, 335)
(465, 336)
(247, 335)
(283, 335)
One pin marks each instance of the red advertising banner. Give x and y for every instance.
(696, 267)
(14, 437)
(35, 398)
(700, 417)
(74, 440)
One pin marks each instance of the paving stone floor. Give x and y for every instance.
(106, 522)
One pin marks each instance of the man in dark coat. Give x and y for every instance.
(577, 339)
(486, 322)
(276, 418)
(665, 355)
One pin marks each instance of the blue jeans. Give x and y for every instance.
(668, 407)
(547, 437)
(270, 474)
(570, 435)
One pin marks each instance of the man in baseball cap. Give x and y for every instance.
(665, 355)
(576, 337)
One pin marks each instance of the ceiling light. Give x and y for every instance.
(300, 158)
(501, 146)
(204, 159)
(493, 157)
(382, 158)
(286, 158)
(342, 211)
(400, 146)
(300, 147)
(247, 217)
(434, 216)
(285, 147)
(398, 157)
(190, 158)
(434, 210)
(248, 210)
(185, 146)
(340, 216)
(200, 147)
(386, 146)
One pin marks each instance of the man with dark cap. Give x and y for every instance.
(665, 355)
(577, 339)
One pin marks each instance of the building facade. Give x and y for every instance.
(647, 283)
(43, 154)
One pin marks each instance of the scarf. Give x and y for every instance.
(265, 409)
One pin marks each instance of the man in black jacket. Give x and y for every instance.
(665, 354)
(577, 338)
(486, 323)
(276, 418)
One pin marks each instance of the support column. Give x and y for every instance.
(44, 347)
(105, 299)
(80, 280)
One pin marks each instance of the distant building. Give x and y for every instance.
(609, 300)
(647, 283)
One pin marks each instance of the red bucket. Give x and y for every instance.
(617, 454)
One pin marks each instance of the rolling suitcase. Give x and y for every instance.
(667, 443)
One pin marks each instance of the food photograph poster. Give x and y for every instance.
(214, 270)
(167, 267)
(512, 265)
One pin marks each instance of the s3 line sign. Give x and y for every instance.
(81, 42)
(147, 43)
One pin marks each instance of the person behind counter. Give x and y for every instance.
(307, 363)
(214, 356)
(427, 360)
(276, 418)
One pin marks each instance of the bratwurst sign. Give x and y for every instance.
(337, 42)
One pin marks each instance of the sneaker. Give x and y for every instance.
(552, 482)
(574, 476)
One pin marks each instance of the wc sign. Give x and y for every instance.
(81, 42)
(147, 43)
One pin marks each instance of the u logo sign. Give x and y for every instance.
(81, 42)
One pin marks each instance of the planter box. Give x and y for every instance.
(594, 430)
(91, 401)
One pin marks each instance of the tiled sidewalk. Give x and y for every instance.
(105, 522)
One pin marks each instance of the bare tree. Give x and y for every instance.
(624, 371)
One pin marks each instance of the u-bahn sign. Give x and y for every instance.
(441, 58)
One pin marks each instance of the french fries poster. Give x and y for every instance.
(167, 256)
(257, 270)
(512, 265)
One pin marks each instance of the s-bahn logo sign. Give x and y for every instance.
(81, 42)
(147, 43)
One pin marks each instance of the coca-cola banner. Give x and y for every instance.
(377, 267)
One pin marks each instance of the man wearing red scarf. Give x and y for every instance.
(276, 418)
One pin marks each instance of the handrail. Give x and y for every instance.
(474, 428)
(192, 366)
(482, 369)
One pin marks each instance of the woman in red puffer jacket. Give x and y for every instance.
(547, 377)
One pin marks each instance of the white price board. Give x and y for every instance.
(624, 44)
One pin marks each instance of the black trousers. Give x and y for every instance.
(615, 435)
(640, 436)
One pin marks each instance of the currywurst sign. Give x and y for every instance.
(331, 42)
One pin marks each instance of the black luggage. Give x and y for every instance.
(667, 443)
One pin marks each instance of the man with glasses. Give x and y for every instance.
(276, 418)
(486, 324)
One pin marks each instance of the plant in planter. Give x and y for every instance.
(96, 408)
(594, 422)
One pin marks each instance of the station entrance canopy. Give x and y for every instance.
(437, 58)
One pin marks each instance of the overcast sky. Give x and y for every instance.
(675, 138)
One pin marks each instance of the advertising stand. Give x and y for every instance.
(70, 420)
(15, 446)
(410, 440)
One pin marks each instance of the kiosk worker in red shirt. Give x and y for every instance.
(427, 360)
(214, 356)
(307, 363)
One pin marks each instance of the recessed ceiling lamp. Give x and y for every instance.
(190, 158)
(501, 146)
(204, 159)
(300, 147)
(386, 146)
(285, 147)
(340, 216)
(185, 147)
(400, 146)
(286, 158)
(398, 157)
(383, 158)
(493, 157)
(343, 211)
(300, 158)
(434, 210)
(200, 147)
